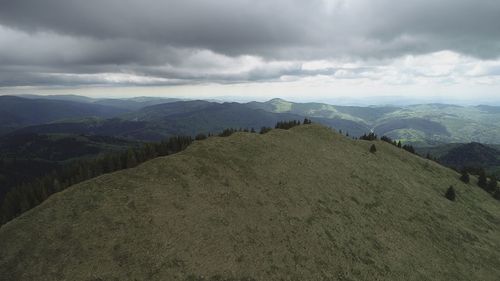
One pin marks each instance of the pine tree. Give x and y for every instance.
(482, 181)
(200, 137)
(131, 159)
(450, 193)
(492, 185)
(496, 195)
(399, 144)
(465, 176)
(264, 130)
(373, 149)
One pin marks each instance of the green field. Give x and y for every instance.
(302, 204)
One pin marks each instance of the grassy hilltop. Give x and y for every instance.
(302, 204)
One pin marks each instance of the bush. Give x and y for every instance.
(373, 149)
(450, 193)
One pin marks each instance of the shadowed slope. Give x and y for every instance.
(303, 204)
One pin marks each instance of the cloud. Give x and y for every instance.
(234, 41)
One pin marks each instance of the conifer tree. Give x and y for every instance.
(200, 137)
(264, 130)
(450, 193)
(496, 195)
(373, 149)
(482, 180)
(465, 176)
(492, 185)
(131, 159)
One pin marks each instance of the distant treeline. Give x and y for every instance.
(372, 137)
(28, 195)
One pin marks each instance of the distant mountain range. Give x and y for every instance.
(124, 103)
(16, 112)
(155, 118)
(426, 124)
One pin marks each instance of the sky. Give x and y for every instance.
(323, 50)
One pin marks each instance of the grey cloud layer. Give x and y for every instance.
(166, 38)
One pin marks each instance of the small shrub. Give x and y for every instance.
(373, 149)
(450, 193)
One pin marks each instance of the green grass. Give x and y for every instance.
(303, 204)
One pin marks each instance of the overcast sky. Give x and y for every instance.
(314, 49)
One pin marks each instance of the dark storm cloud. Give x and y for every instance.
(201, 40)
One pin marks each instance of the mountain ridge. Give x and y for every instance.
(230, 209)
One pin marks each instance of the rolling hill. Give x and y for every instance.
(157, 122)
(302, 204)
(420, 125)
(424, 125)
(472, 156)
(16, 112)
(129, 104)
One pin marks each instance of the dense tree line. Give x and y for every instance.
(369, 137)
(28, 195)
(407, 147)
(285, 125)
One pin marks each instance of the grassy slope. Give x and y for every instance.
(303, 204)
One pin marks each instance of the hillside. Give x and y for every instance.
(473, 155)
(302, 204)
(157, 122)
(422, 124)
(131, 104)
(25, 157)
(16, 112)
